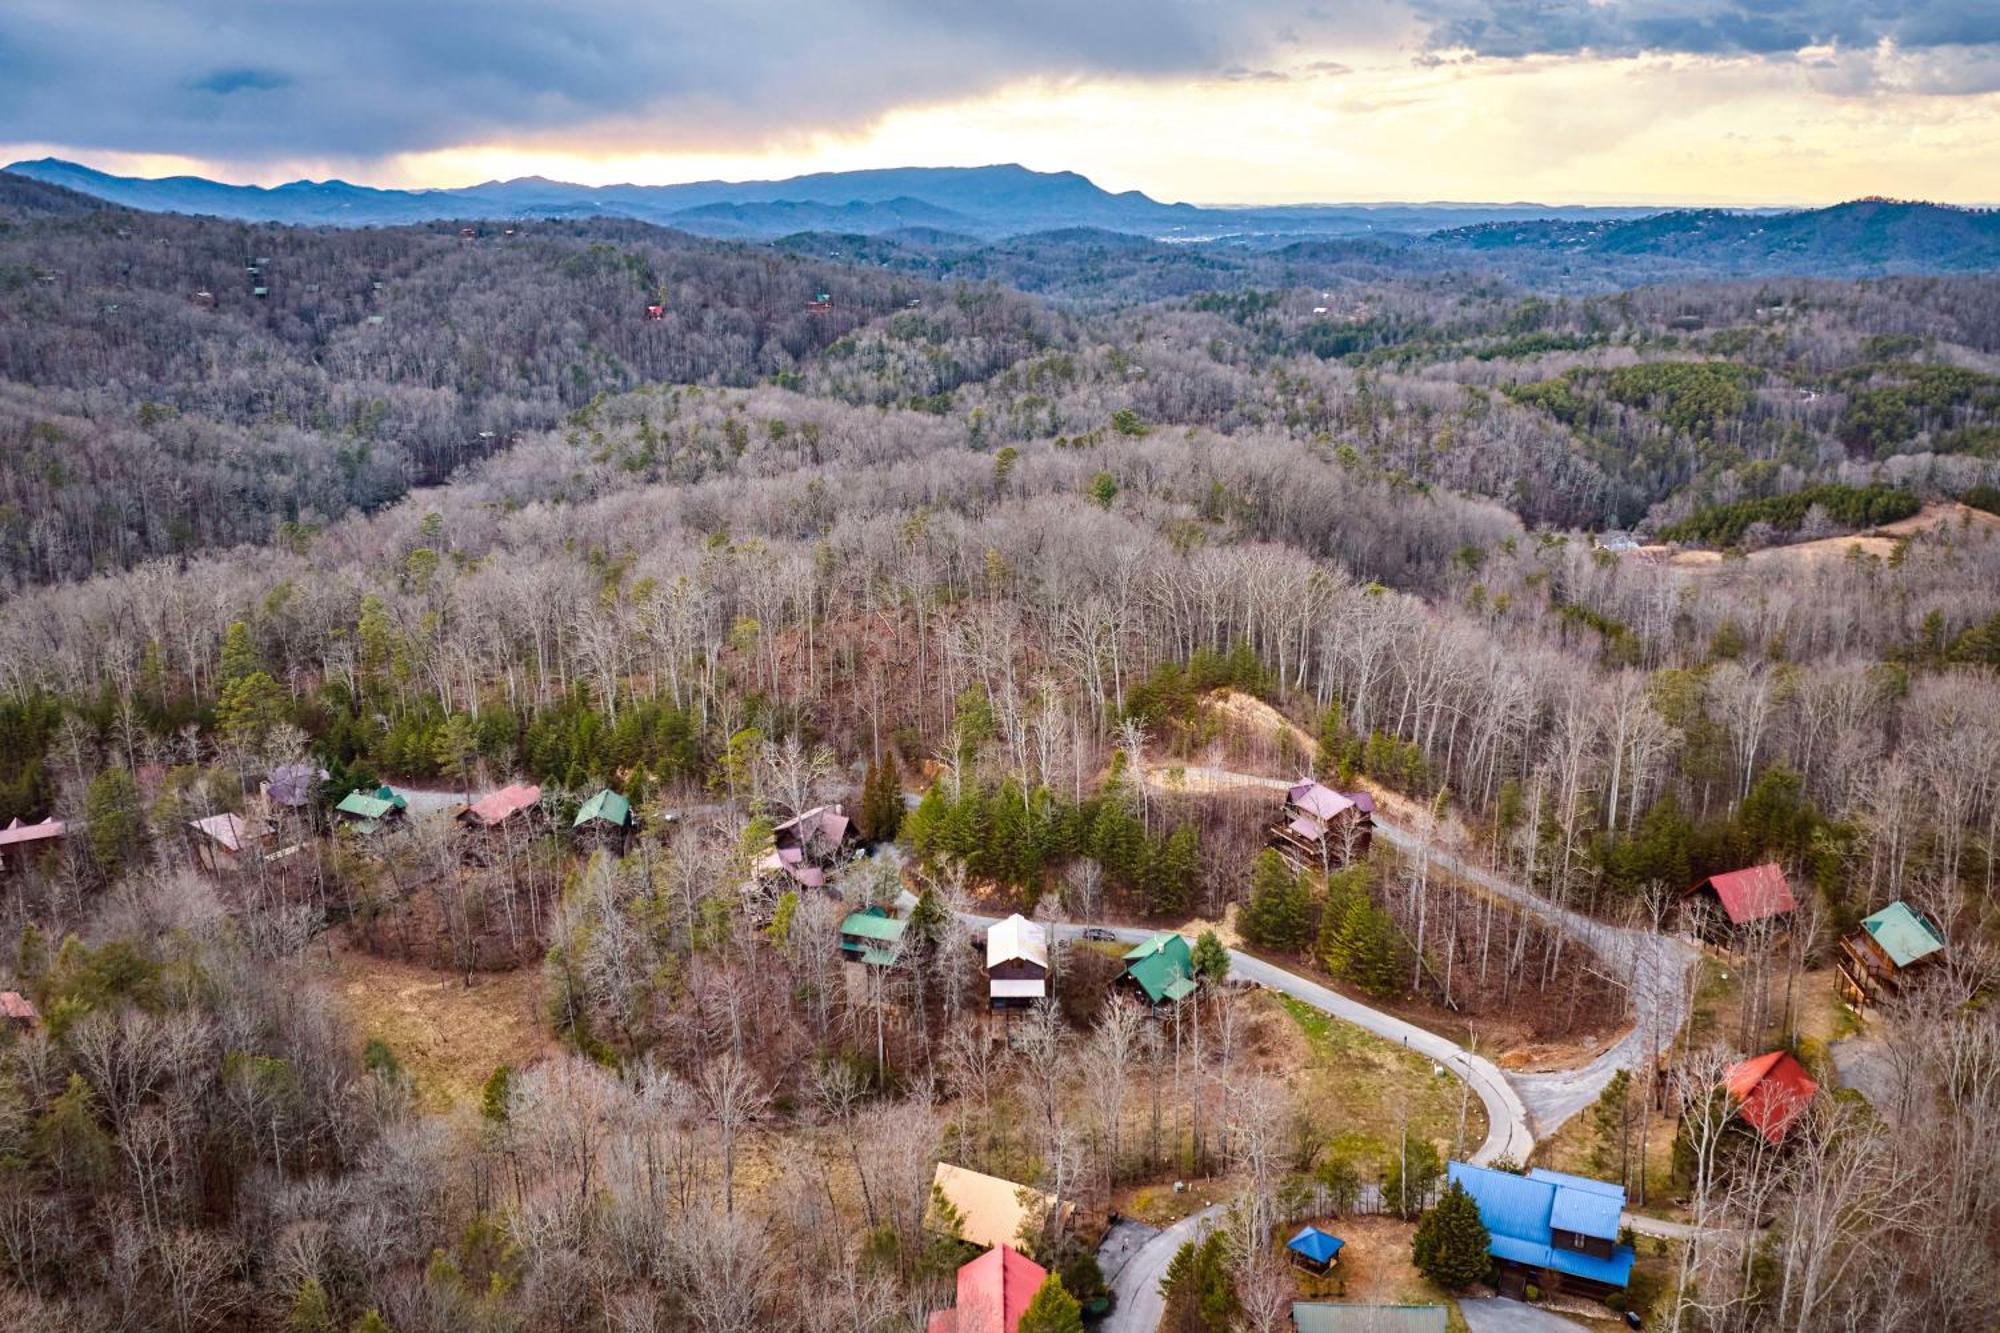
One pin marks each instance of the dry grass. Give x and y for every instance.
(448, 1035)
(1878, 543)
(1352, 1082)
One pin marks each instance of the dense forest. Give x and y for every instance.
(987, 563)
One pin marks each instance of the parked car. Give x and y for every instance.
(1098, 933)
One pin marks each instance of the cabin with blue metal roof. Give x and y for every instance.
(1557, 1230)
(1314, 1250)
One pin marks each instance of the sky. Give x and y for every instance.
(1210, 101)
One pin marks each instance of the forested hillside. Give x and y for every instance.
(1004, 571)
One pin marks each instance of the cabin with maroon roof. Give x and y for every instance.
(1320, 828)
(1725, 904)
(993, 1293)
(1771, 1092)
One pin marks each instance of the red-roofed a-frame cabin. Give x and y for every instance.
(1771, 1092)
(993, 1293)
(1740, 898)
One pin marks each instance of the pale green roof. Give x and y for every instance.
(371, 805)
(608, 806)
(1906, 937)
(872, 926)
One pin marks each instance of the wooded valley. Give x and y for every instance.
(1055, 589)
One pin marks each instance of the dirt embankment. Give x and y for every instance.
(1951, 519)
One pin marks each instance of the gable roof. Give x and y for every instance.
(819, 830)
(994, 1291)
(989, 1208)
(1163, 966)
(1771, 1092)
(500, 806)
(232, 831)
(1322, 803)
(1904, 935)
(607, 806)
(292, 784)
(873, 926)
(15, 1005)
(17, 832)
(1315, 1245)
(1017, 939)
(1327, 1317)
(371, 805)
(1520, 1212)
(1752, 894)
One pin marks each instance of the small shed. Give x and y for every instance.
(1017, 963)
(1876, 960)
(1771, 1092)
(1162, 968)
(1314, 1250)
(1729, 902)
(221, 841)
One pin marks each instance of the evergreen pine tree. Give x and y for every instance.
(312, 1310)
(1450, 1244)
(1053, 1310)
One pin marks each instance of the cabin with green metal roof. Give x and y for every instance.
(605, 817)
(872, 936)
(1876, 960)
(366, 811)
(1162, 968)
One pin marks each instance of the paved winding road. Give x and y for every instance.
(1654, 967)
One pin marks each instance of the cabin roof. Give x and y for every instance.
(1903, 934)
(500, 806)
(1017, 939)
(1523, 1213)
(1316, 1245)
(607, 806)
(994, 1291)
(1752, 894)
(989, 1209)
(1771, 1091)
(18, 832)
(232, 831)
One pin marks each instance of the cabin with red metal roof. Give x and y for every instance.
(496, 808)
(993, 1293)
(1771, 1092)
(1726, 903)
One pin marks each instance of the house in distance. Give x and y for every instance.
(222, 842)
(808, 845)
(1725, 904)
(1017, 963)
(606, 816)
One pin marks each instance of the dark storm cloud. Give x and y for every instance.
(265, 78)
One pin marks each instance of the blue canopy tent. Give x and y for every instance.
(1314, 1249)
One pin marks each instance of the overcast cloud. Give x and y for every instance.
(281, 79)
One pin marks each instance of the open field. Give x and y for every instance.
(1952, 520)
(448, 1035)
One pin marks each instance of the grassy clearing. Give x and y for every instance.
(1352, 1082)
(448, 1035)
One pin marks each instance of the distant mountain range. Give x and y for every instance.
(982, 202)
(913, 215)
